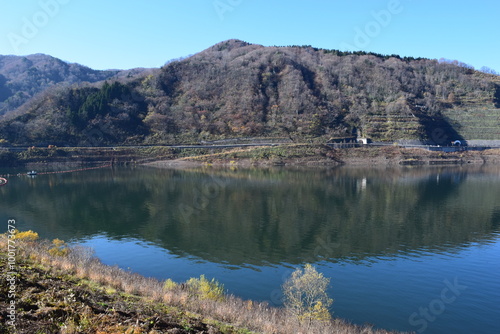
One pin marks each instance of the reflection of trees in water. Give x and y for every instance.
(260, 216)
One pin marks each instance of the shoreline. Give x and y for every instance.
(65, 289)
(303, 155)
(355, 157)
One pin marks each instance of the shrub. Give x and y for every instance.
(59, 248)
(305, 295)
(169, 285)
(206, 289)
(26, 235)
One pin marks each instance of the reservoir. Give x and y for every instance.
(411, 249)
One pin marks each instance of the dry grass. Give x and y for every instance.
(259, 317)
(493, 151)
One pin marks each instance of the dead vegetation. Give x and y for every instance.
(68, 290)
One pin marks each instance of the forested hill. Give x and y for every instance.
(21, 78)
(236, 89)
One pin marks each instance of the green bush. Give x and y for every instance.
(169, 284)
(205, 289)
(26, 235)
(59, 248)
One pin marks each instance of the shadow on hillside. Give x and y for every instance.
(4, 91)
(496, 98)
(439, 131)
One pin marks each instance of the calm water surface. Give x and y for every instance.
(406, 249)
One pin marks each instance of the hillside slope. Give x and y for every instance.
(237, 89)
(21, 78)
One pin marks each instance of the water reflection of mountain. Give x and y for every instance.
(266, 216)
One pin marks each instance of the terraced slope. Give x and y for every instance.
(385, 127)
(475, 122)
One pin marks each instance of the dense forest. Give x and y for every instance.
(237, 89)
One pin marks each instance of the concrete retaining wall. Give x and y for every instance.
(487, 143)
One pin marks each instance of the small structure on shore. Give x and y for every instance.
(364, 141)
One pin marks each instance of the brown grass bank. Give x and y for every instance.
(314, 155)
(67, 290)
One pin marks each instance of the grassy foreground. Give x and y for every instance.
(58, 289)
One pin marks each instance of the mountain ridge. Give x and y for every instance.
(23, 77)
(235, 88)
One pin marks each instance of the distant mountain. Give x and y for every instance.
(21, 78)
(236, 89)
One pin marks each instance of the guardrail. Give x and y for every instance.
(344, 145)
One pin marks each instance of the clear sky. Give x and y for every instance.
(105, 34)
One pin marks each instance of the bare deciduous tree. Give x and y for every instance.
(305, 294)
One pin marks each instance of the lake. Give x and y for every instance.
(414, 249)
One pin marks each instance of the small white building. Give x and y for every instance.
(364, 141)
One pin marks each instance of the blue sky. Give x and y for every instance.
(124, 34)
